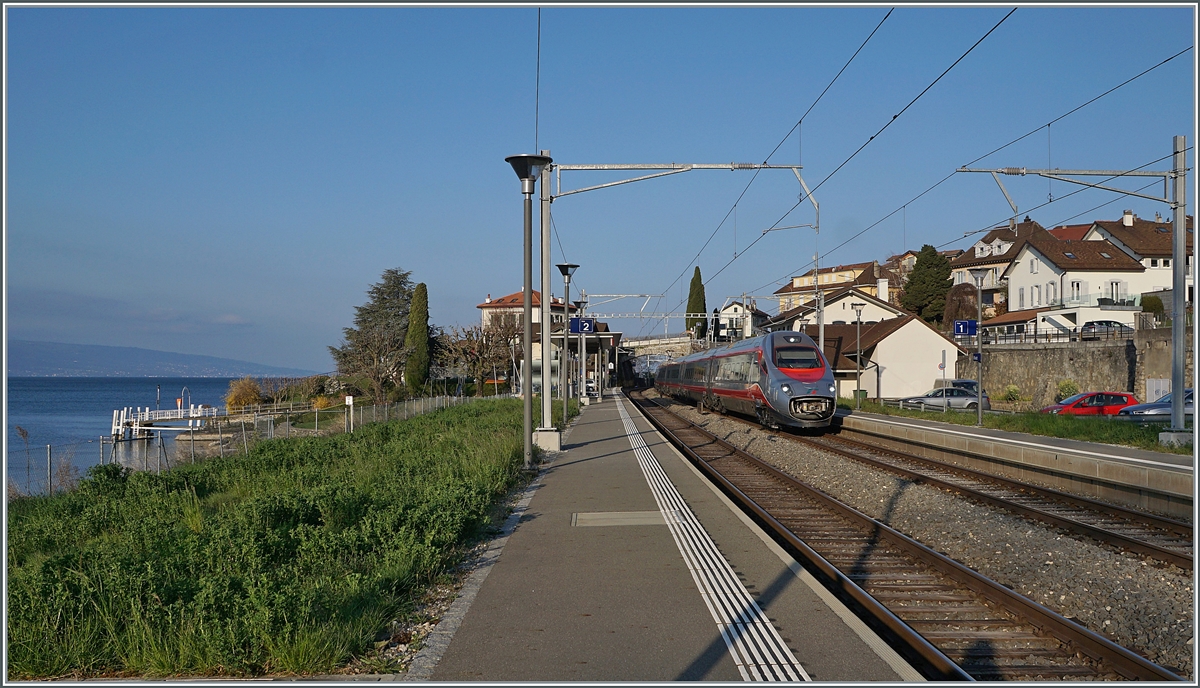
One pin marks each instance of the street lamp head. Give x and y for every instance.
(567, 269)
(528, 169)
(858, 307)
(979, 274)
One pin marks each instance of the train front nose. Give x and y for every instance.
(806, 401)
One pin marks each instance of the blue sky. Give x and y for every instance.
(229, 181)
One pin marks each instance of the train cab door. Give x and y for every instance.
(710, 371)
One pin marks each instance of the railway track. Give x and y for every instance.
(1164, 539)
(944, 617)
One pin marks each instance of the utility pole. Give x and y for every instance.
(978, 275)
(1178, 433)
(546, 426)
(858, 307)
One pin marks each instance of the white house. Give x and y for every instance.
(839, 310)
(514, 305)
(1076, 281)
(1149, 243)
(993, 253)
(732, 320)
(899, 356)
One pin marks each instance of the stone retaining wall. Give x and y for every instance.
(1112, 365)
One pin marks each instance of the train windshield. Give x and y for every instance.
(794, 357)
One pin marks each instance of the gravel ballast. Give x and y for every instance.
(1137, 602)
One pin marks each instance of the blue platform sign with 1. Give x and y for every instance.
(966, 327)
(583, 325)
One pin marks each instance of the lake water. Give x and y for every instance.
(71, 414)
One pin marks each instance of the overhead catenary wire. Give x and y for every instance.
(804, 197)
(773, 151)
(1095, 208)
(992, 225)
(990, 153)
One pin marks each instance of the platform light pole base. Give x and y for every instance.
(1175, 438)
(585, 401)
(548, 439)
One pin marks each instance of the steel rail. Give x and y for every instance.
(1133, 544)
(912, 645)
(1120, 659)
(1168, 555)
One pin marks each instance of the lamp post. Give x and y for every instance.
(858, 354)
(978, 275)
(528, 169)
(567, 269)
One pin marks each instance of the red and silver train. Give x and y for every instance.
(781, 378)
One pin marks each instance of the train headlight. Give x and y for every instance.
(787, 389)
(832, 389)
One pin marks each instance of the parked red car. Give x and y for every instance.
(1092, 404)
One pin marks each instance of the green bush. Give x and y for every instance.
(1066, 388)
(1153, 304)
(289, 559)
(1012, 393)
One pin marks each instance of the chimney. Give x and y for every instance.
(488, 299)
(881, 290)
(1127, 218)
(1157, 217)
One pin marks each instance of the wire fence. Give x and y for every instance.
(41, 469)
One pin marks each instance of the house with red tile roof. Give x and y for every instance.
(1077, 281)
(514, 304)
(898, 357)
(993, 253)
(870, 277)
(1150, 242)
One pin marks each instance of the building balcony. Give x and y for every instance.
(1127, 302)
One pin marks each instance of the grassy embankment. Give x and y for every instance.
(1103, 430)
(289, 559)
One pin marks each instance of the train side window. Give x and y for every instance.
(796, 357)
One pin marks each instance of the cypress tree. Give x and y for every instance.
(696, 304)
(925, 292)
(416, 340)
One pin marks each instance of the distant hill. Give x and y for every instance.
(51, 359)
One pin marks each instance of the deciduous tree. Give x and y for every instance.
(478, 351)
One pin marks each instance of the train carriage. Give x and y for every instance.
(780, 378)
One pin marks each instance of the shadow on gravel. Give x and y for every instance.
(886, 517)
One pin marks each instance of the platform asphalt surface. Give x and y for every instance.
(591, 584)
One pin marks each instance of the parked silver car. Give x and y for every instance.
(956, 397)
(1104, 329)
(1157, 410)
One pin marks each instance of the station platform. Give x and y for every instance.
(625, 565)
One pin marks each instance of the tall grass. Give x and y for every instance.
(289, 559)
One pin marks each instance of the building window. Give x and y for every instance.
(1051, 292)
(1033, 266)
(1166, 262)
(1076, 290)
(1020, 297)
(1035, 295)
(1153, 262)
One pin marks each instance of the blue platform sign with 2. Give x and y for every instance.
(583, 325)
